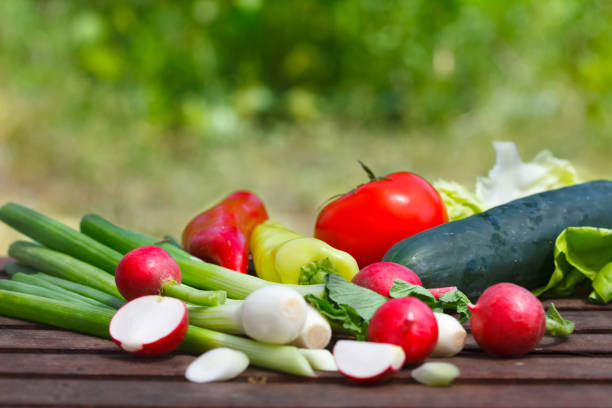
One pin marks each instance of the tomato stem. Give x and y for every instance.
(369, 172)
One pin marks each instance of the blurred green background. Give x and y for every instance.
(149, 111)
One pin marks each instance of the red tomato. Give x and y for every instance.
(367, 221)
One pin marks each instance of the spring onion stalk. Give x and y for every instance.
(35, 280)
(195, 296)
(95, 321)
(226, 318)
(55, 235)
(195, 272)
(27, 288)
(282, 358)
(13, 268)
(124, 240)
(64, 266)
(91, 293)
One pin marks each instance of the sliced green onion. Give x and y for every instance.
(95, 321)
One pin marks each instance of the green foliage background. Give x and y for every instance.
(147, 111)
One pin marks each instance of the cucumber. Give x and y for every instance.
(513, 242)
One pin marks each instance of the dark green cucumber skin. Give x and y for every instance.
(513, 242)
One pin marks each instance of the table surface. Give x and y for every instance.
(47, 367)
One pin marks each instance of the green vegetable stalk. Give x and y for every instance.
(195, 272)
(94, 320)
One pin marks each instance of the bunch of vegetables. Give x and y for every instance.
(152, 297)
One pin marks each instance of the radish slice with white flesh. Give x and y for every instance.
(274, 314)
(218, 364)
(364, 361)
(316, 332)
(150, 325)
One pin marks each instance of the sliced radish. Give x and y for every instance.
(364, 361)
(219, 364)
(150, 325)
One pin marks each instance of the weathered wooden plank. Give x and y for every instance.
(9, 322)
(71, 392)
(590, 321)
(575, 303)
(596, 343)
(473, 367)
(52, 340)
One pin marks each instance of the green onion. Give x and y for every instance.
(60, 237)
(91, 293)
(195, 272)
(64, 266)
(225, 318)
(95, 321)
(28, 288)
(195, 296)
(13, 268)
(35, 280)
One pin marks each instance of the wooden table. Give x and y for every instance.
(48, 367)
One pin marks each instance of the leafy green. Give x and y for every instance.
(364, 301)
(343, 315)
(458, 301)
(459, 201)
(454, 300)
(509, 179)
(557, 325)
(347, 304)
(581, 254)
(402, 289)
(315, 272)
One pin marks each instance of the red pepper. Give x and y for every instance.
(221, 234)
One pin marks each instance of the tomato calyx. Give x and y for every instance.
(370, 174)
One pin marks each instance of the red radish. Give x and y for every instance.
(144, 271)
(407, 322)
(507, 320)
(367, 362)
(437, 292)
(221, 233)
(379, 277)
(150, 325)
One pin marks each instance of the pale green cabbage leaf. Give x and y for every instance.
(509, 179)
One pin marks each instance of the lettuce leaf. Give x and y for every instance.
(509, 179)
(459, 202)
(582, 254)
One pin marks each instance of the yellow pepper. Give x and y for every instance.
(281, 255)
